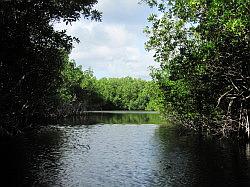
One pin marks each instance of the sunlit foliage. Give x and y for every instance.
(203, 50)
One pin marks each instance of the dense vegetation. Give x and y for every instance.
(130, 93)
(203, 50)
(37, 79)
(32, 57)
(81, 91)
(202, 47)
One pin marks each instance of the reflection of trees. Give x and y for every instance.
(45, 150)
(12, 163)
(114, 118)
(30, 159)
(189, 160)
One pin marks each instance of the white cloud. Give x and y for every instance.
(114, 47)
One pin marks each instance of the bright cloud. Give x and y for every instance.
(115, 46)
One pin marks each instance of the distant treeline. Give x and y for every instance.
(81, 91)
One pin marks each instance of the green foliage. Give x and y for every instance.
(203, 50)
(130, 93)
(78, 89)
(81, 88)
(74, 78)
(32, 56)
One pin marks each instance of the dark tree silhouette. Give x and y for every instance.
(32, 56)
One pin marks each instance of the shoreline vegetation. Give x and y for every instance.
(203, 80)
(203, 50)
(82, 92)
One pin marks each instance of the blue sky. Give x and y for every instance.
(115, 46)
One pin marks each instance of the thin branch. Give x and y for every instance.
(223, 95)
(234, 85)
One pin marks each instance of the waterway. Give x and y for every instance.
(121, 149)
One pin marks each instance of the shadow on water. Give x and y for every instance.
(203, 161)
(24, 159)
(103, 153)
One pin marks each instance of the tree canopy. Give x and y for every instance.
(203, 50)
(130, 93)
(82, 91)
(32, 55)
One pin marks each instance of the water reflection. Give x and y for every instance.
(108, 154)
(119, 117)
(25, 159)
(248, 151)
(197, 161)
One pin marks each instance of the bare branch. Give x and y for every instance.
(223, 95)
(234, 85)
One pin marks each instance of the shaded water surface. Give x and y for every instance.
(114, 150)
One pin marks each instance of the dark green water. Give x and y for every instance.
(114, 150)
